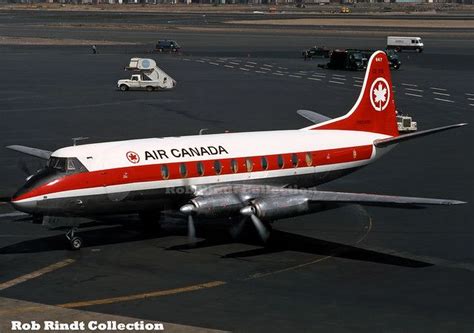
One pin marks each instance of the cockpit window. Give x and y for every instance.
(66, 164)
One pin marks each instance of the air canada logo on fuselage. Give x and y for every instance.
(202, 151)
(133, 157)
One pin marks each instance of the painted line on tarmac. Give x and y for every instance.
(135, 297)
(357, 85)
(280, 74)
(440, 89)
(414, 95)
(267, 65)
(213, 63)
(471, 104)
(338, 82)
(35, 274)
(470, 98)
(250, 66)
(441, 94)
(469, 94)
(296, 76)
(444, 100)
(409, 85)
(314, 78)
(414, 89)
(265, 69)
(244, 69)
(251, 62)
(201, 61)
(337, 75)
(228, 66)
(234, 63)
(261, 72)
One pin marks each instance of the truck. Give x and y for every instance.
(406, 124)
(147, 76)
(405, 43)
(347, 60)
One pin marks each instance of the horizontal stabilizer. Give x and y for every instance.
(44, 154)
(313, 116)
(390, 141)
(377, 199)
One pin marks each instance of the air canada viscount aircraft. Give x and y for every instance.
(262, 175)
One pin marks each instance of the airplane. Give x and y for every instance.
(261, 176)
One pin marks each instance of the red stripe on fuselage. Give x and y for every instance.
(148, 173)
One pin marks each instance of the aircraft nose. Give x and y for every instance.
(24, 206)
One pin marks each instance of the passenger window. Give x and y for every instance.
(264, 163)
(249, 164)
(200, 168)
(234, 166)
(281, 161)
(183, 170)
(165, 173)
(309, 159)
(217, 167)
(294, 160)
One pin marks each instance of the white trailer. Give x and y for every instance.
(148, 76)
(405, 43)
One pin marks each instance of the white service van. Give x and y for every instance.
(405, 43)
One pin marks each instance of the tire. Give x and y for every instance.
(76, 243)
(160, 50)
(123, 87)
(149, 88)
(396, 67)
(174, 50)
(418, 50)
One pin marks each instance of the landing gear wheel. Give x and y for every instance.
(76, 243)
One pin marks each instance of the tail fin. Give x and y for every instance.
(374, 110)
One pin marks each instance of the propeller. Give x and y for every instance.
(262, 230)
(189, 210)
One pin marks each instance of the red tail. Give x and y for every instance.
(374, 110)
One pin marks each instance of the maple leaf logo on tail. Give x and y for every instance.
(380, 94)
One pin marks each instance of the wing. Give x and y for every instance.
(40, 153)
(313, 116)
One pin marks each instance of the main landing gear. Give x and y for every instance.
(75, 242)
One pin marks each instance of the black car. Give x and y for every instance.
(346, 60)
(392, 57)
(316, 51)
(167, 45)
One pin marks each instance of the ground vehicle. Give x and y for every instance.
(148, 76)
(405, 43)
(166, 45)
(406, 124)
(392, 57)
(346, 59)
(345, 10)
(316, 51)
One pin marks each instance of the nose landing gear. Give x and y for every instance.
(75, 242)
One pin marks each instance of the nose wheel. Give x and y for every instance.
(75, 242)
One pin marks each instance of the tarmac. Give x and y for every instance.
(350, 270)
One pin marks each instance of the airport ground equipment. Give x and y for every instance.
(316, 51)
(346, 60)
(166, 45)
(405, 43)
(406, 124)
(147, 76)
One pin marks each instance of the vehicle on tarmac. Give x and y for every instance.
(393, 60)
(248, 177)
(405, 43)
(167, 45)
(316, 51)
(352, 60)
(148, 76)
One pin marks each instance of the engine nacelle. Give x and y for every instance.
(273, 208)
(219, 205)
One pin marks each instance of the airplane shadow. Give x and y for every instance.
(212, 235)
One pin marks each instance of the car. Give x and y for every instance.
(316, 51)
(167, 45)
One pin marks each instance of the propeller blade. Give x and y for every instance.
(262, 230)
(191, 229)
(236, 230)
(24, 167)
